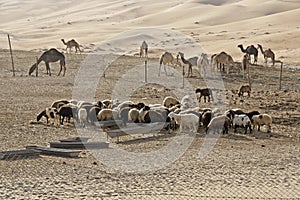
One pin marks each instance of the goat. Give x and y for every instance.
(187, 122)
(243, 89)
(206, 92)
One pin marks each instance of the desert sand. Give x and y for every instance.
(260, 165)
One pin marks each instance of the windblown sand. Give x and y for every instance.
(256, 166)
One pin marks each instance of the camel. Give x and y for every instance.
(144, 49)
(202, 64)
(52, 55)
(167, 58)
(70, 44)
(190, 62)
(267, 54)
(250, 50)
(223, 59)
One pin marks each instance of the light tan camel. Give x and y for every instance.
(223, 59)
(52, 55)
(167, 59)
(267, 54)
(190, 62)
(144, 49)
(70, 44)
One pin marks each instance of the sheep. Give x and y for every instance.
(82, 117)
(206, 92)
(123, 115)
(170, 101)
(217, 124)
(243, 89)
(92, 114)
(124, 104)
(230, 113)
(187, 122)
(67, 111)
(131, 105)
(81, 104)
(56, 104)
(107, 114)
(142, 113)
(206, 118)
(133, 115)
(49, 113)
(151, 116)
(262, 119)
(241, 121)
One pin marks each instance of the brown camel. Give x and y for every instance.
(267, 54)
(250, 50)
(144, 49)
(70, 44)
(52, 55)
(190, 62)
(223, 59)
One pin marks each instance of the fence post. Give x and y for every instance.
(11, 55)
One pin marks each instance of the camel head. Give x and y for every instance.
(63, 41)
(180, 54)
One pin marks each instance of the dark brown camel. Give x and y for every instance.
(52, 55)
(250, 50)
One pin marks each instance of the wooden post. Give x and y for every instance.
(145, 70)
(249, 77)
(11, 55)
(36, 72)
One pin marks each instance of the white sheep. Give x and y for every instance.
(187, 122)
(82, 117)
(242, 121)
(262, 119)
(218, 124)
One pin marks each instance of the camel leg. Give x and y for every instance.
(48, 68)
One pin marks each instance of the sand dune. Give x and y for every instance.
(216, 24)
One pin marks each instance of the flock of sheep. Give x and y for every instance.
(172, 111)
(177, 114)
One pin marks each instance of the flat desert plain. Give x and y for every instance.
(259, 165)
